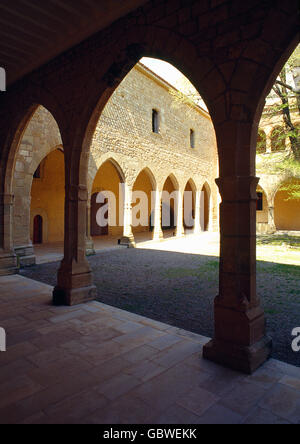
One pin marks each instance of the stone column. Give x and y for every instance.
(8, 259)
(21, 219)
(89, 244)
(128, 237)
(240, 340)
(74, 285)
(179, 218)
(271, 218)
(197, 227)
(157, 231)
(268, 143)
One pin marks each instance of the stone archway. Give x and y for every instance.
(189, 206)
(48, 194)
(40, 139)
(170, 206)
(144, 187)
(110, 178)
(286, 207)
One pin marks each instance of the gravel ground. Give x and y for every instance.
(179, 289)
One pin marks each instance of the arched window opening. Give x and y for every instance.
(192, 138)
(155, 121)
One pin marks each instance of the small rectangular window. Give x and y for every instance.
(155, 121)
(192, 138)
(259, 202)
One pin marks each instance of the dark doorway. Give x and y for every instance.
(97, 230)
(38, 230)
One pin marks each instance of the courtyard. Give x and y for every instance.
(176, 281)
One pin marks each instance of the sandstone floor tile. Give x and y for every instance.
(283, 401)
(66, 316)
(264, 377)
(41, 400)
(140, 353)
(141, 336)
(165, 389)
(17, 389)
(262, 416)
(145, 370)
(117, 386)
(198, 401)
(291, 382)
(165, 341)
(72, 409)
(108, 369)
(243, 397)
(176, 415)
(282, 368)
(45, 357)
(218, 414)
(22, 349)
(125, 410)
(55, 372)
(175, 354)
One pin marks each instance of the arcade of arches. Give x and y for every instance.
(230, 52)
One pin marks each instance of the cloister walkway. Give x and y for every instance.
(97, 364)
(49, 252)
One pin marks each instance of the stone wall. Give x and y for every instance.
(123, 135)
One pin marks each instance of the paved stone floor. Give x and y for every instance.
(97, 364)
(176, 281)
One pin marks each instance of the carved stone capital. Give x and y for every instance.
(78, 193)
(238, 188)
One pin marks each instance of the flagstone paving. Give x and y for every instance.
(176, 282)
(98, 364)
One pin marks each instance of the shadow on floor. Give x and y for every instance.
(179, 289)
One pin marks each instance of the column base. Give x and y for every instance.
(8, 264)
(158, 236)
(240, 358)
(89, 248)
(128, 241)
(25, 254)
(74, 296)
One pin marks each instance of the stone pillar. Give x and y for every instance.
(8, 259)
(179, 218)
(128, 237)
(157, 230)
(240, 340)
(268, 143)
(74, 284)
(21, 214)
(89, 244)
(271, 220)
(197, 227)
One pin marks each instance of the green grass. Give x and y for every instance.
(207, 270)
(279, 241)
(287, 271)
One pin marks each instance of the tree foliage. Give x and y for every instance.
(283, 111)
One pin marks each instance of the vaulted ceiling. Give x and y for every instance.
(33, 32)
